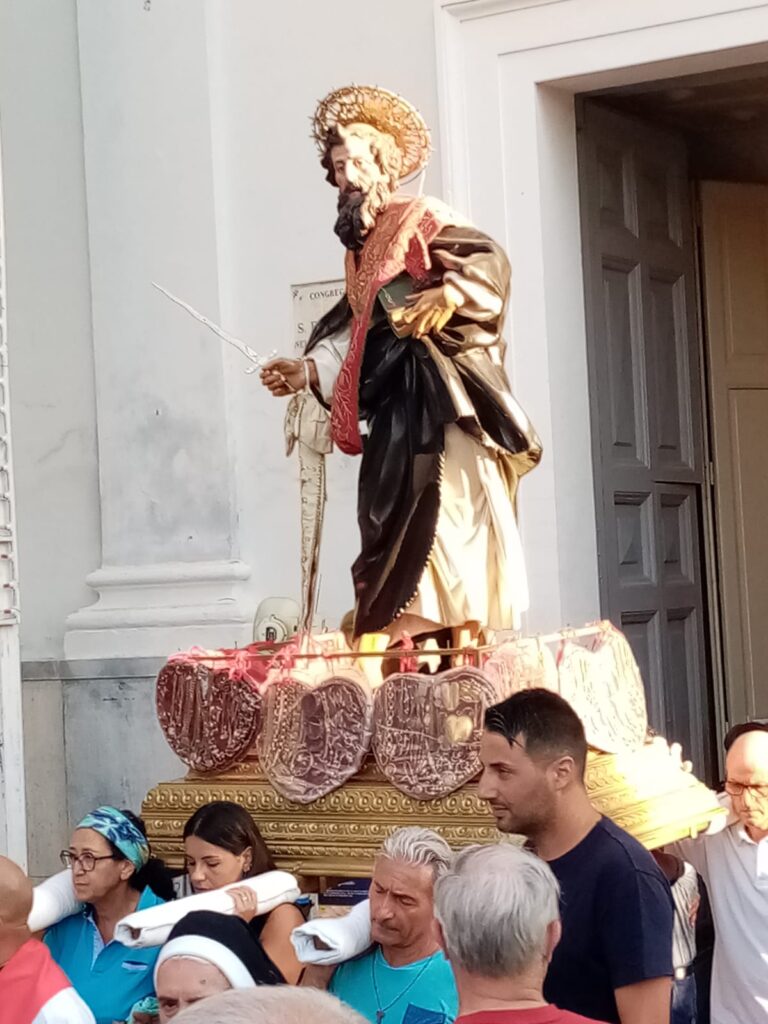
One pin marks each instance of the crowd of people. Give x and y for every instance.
(579, 923)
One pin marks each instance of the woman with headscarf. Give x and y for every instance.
(207, 953)
(113, 875)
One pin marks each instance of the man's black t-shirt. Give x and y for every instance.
(617, 915)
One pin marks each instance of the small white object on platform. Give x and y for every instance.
(342, 937)
(151, 927)
(52, 901)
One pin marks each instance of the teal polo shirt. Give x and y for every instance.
(109, 977)
(420, 993)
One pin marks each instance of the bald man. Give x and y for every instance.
(734, 864)
(33, 989)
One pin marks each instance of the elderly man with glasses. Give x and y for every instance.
(734, 864)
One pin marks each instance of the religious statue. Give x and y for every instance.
(410, 364)
(321, 741)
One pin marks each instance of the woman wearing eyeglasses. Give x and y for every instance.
(113, 875)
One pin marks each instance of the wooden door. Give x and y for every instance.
(644, 372)
(734, 222)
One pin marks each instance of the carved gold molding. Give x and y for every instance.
(339, 834)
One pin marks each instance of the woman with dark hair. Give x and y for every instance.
(222, 845)
(113, 875)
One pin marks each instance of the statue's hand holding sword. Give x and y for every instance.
(289, 376)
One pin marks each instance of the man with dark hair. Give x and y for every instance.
(733, 861)
(614, 961)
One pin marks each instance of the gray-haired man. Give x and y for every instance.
(404, 978)
(498, 921)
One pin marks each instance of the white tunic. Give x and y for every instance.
(476, 570)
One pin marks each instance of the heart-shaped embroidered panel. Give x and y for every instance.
(602, 683)
(209, 713)
(314, 735)
(426, 729)
(522, 665)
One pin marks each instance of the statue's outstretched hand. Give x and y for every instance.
(287, 376)
(429, 310)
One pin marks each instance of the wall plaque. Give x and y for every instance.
(310, 302)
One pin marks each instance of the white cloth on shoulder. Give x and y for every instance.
(66, 1007)
(341, 937)
(151, 927)
(52, 901)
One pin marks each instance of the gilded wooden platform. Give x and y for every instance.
(338, 835)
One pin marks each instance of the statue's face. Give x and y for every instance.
(354, 166)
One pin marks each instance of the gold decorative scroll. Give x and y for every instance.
(645, 792)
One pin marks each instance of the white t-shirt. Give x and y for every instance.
(735, 869)
(66, 1007)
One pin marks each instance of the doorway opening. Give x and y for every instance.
(673, 180)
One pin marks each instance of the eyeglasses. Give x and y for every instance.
(738, 788)
(87, 861)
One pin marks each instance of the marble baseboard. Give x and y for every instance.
(91, 737)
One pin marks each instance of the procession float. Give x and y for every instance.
(332, 739)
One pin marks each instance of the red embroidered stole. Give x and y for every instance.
(27, 982)
(398, 241)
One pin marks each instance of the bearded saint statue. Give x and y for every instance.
(410, 363)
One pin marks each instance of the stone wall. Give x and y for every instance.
(91, 737)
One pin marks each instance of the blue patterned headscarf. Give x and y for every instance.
(121, 832)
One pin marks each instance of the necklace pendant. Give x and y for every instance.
(379, 1016)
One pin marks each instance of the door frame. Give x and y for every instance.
(13, 802)
(710, 559)
(508, 72)
(735, 697)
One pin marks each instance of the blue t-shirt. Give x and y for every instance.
(110, 978)
(617, 915)
(423, 992)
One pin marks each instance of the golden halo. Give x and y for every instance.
(381, 109)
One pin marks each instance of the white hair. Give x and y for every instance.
(270, 1004)
(420, 847)
(494, 906)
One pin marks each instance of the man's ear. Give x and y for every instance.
(554, 933)
(563, 771)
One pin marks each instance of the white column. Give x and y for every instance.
(171, 573)
(13, 811)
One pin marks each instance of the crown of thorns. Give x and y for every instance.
(381, 109)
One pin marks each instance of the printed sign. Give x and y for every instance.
(310, 302)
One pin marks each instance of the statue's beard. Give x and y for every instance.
(357, 211)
